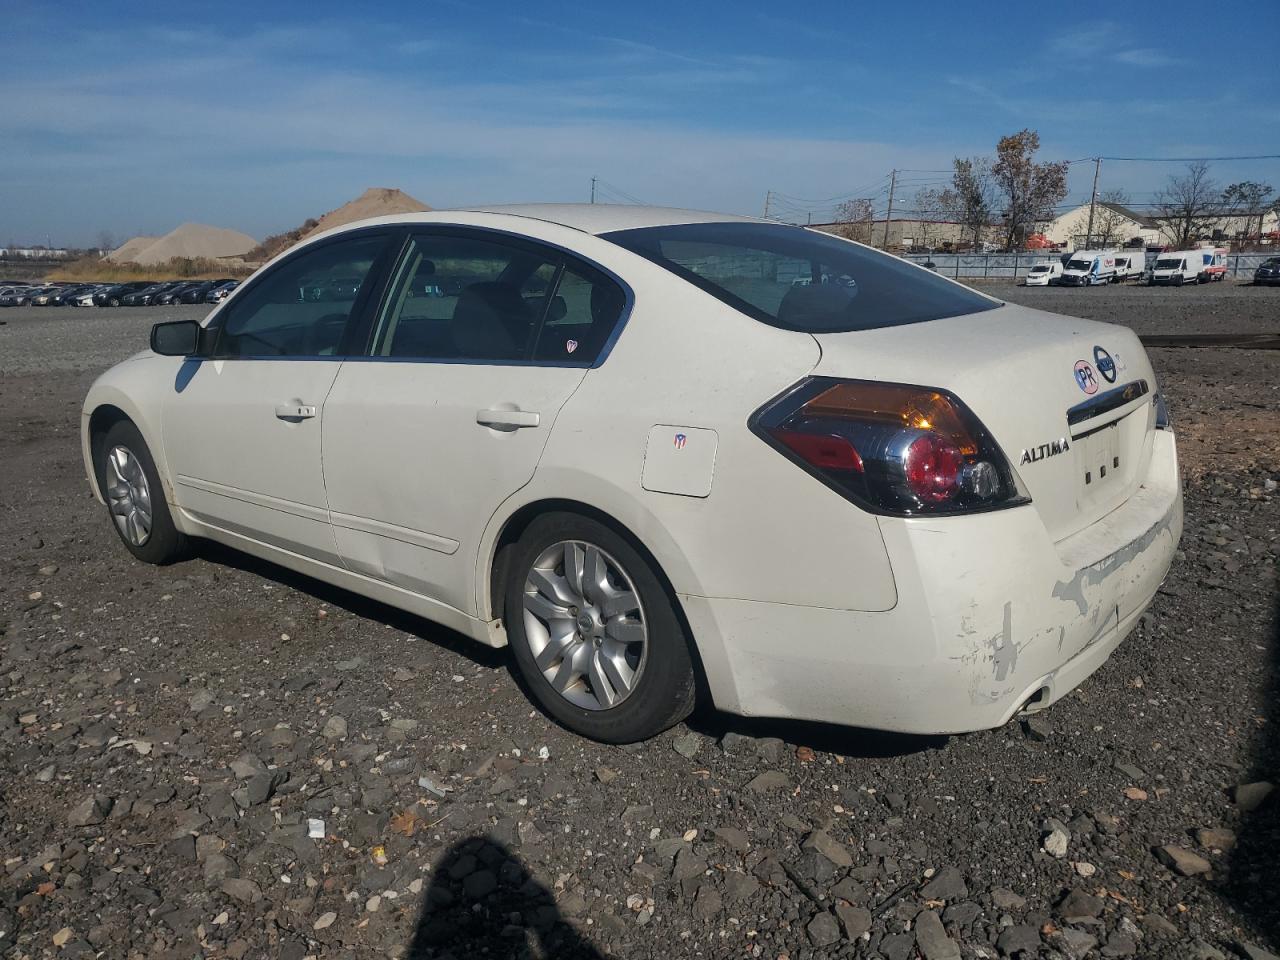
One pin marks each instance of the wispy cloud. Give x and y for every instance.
(1105, 40)
(1144, 57)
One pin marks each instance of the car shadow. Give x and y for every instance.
(354, 603)
(1253, 882)
(483, 901)
(832, 738)
(850, 742)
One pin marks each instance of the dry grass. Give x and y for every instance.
(95, 270)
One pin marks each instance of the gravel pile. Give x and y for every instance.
(222, 759)
(189, 241)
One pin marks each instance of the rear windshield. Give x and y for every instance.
(800, 279)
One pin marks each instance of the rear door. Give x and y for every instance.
(482, 339)
(242, 427)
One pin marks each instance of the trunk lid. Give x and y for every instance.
(1069, 401)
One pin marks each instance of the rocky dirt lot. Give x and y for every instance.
(223, 759)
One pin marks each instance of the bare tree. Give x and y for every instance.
(1188, 205)
(931, 208)
(106, 240)
(855, 218)
(972, 195)
(1029, 190)
(1109, 224)
(1248, 199)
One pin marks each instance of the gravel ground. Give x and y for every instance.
(1226, 307)
(223, 759)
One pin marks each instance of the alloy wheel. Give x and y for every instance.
(128, 495)
(585, 625)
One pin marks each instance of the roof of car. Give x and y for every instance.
(600, 218)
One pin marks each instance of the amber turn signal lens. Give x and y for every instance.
(895, 404)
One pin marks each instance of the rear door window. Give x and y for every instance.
(462, 297)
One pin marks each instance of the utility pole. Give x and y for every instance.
(593, 189)
(893, 182)
(768, 198)
(1093, 202)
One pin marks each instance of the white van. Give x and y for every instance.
(1086, 268)
(1044, 274)
(1130, 265)
(1178, 267)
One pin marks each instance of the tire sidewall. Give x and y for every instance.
(664, 695)
(166, 543)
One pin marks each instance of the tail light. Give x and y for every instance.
(889, 447)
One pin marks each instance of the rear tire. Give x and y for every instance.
(594, 631)
(136, 504)
(113, 302)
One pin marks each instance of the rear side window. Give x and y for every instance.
(801, 279)
(462, 297)
(302, 307)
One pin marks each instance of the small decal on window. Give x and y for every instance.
(680, 439)
(571, 345)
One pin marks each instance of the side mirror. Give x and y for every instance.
(176, 338)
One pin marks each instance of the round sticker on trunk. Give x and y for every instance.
(1106, 366)
(1085, 377)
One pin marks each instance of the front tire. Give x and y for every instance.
(594, 631)
(135, 499)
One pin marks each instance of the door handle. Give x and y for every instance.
(295, 410)
(507, 419)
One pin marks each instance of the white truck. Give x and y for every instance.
(1086, 268)
(1177, 267)
(1044, 274)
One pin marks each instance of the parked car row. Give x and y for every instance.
(135, 293)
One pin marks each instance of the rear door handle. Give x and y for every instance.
(295, 410)
(507, 419)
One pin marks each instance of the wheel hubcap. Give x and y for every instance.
(128, 495)
(585, 625)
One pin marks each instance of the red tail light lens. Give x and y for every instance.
(932, 467)
(892, 448)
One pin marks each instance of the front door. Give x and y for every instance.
(482, 340)
(242, 426)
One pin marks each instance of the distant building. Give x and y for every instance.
(1114, 225)
(904, 233)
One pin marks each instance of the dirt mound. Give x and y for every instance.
(374, 202)
(191, 241)
(130, 249)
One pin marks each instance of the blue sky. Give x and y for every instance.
(134, 117)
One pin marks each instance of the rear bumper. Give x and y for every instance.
(990, 613)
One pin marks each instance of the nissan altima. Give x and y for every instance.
(664, 455)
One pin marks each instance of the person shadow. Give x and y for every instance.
(484, 902)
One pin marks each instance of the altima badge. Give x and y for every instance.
(1035, 454)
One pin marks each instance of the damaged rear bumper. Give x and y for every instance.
(990, 614)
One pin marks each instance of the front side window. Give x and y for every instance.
(462, 297)
(801, 279)
(302, 307)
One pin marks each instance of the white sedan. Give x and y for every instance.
(664, 454)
